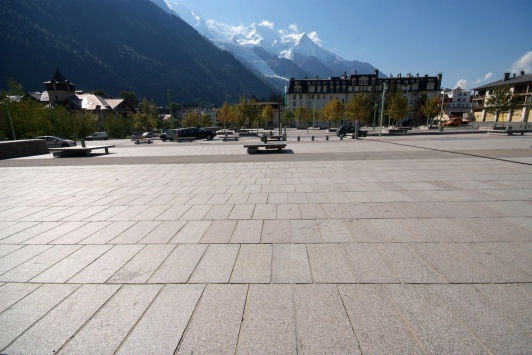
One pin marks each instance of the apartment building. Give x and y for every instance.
(316, 93)
(459, 103)
(520, 84)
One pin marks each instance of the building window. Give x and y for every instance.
(300, 97)
(294, 97)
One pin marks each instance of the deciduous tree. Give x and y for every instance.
(359, 108)
(431, 108)
(226, 115)
(146, 119)
(333, 112)
(397, 107)
(303, 115)
(267, 116)
(501, 100)
(247, 112)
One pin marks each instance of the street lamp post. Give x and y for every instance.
(313, 117)
(375, 113)
(9, 119)
(527, 111)
(441, 110)
(52, 113)
(384, 88)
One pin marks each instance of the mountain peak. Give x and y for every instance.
(286, 44)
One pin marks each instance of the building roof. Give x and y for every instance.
(58, 78)
(93, 102)
(512, 80)
(113, 103)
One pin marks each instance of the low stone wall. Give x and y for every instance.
(23, 148)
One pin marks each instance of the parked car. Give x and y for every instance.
(197, 133)
(148, 135)
(56, 142)
(97, 136)
(136, 135)
(455, 122)
(169, 134)
(344, 130)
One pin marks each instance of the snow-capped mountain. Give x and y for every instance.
(276, 54)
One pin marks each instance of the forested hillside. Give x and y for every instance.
(115, 45)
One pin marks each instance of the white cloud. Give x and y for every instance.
(465, 84)
(523, 63)
(293, 28)
(462, 83)
(314, 37)
(266, 23)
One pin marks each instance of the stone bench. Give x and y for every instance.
(78, 151)
(397, 130)
(509, 132)
(139, 141)
(266, 137)
(254, 148)
(226, 137)
(183, 139)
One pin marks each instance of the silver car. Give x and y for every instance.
(56, 142)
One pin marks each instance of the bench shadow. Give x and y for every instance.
(92, 155)
(273, 151)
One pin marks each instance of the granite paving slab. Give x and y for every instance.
(54, 329)
(216, 264)
(164, 322)
(268, 325)
(439, 330)
(390, 245)
(378, 326)
(215, 324)
(112, 323)
(30, 309)
(253, 264)
(323, 327)
(179, 265)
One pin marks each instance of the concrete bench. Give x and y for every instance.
(184, 139)
(266, 137)
(139, 141)
(254, 148)
(509, 132)
(226, 137)
(78, 151)
(398, 130)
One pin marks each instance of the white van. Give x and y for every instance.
(97, 136)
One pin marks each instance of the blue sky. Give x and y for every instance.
(471, 42)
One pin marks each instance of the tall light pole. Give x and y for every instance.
(170, 108)
(528, 111)
(313, 117)
(9, 119)
(375, 106)
(384, 88)
(441, 110)
(52, 113)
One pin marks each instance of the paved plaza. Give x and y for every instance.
(390, 245)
